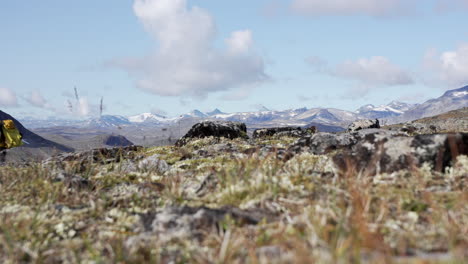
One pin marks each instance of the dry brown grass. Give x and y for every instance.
(413, 216)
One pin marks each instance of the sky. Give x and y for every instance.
(172, 56)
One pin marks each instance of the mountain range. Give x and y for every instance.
(330, 118)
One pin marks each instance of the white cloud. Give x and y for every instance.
(7, 97)
(373, 72)
(36, 99)
(186, 61)
(83, 107)
(78, 108)
(449, 68)
(377, 8)
(240, 42)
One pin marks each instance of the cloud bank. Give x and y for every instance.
(8, 97)
(186, 61)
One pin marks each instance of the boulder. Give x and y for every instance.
(218, 129)
(375, 154)
(279, 132)
(363, 124)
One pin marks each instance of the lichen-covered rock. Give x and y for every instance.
(279, 131)
(323, 143)
(363, 124)
(196, 222)
(375, 154)
(219, 129)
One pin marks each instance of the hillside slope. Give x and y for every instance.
(38, 147)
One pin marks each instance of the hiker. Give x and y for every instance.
(10, 136)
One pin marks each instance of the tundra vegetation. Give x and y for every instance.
(218, 200)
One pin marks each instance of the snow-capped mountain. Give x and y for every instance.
(392, 109)
(450, 100)
(215, 112)
(195, 114)
(147, 118)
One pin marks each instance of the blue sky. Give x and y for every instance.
(172, 56)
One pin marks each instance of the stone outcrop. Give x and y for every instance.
(375, 154)
(383, 151)
(363, 124)
(323, 143)
(283, 131)
(205, 129)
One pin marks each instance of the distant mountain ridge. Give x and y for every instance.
(450, 100)
(392, 109)
(393, 112)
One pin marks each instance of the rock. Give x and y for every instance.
(363, 124)
(375, 154)
(418, 128)
(128, 166)
(153, 163)
(117, 141)
(218, 129)
(278, 131)
(323, 143)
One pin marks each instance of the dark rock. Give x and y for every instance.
(279, 131)
(363, 124)
(218, 129)
(374, 154)
(117, 141)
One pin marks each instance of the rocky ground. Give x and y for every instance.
(281, 196)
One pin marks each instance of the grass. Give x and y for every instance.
(412, 216)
